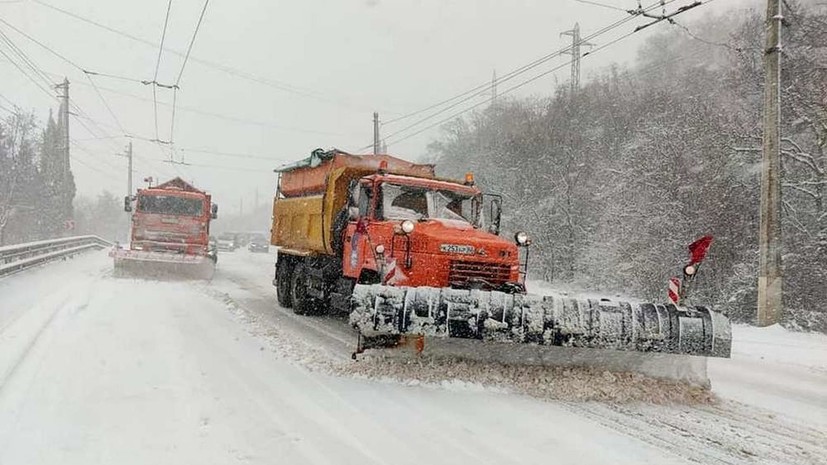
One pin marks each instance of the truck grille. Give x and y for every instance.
(165, 236)
(464, 274)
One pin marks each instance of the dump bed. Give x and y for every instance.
(309, 176)
(312, 191)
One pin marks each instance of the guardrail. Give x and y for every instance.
(18, 257)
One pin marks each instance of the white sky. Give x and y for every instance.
(345, 58)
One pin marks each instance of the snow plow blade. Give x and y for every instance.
(160, 265)
(553, 320)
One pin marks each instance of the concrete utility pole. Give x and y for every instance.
(770, 303)
(375, 133)
(574, 51)
(129, 173)
(64, 119)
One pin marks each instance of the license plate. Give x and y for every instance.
(461, 249)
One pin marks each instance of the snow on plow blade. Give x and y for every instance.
(141, 264)
(552, 320)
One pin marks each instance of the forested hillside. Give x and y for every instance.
(614, 181)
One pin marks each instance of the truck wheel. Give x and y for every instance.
(284, 283)
(302, 303)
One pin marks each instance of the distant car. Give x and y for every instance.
(227, 242)
(259, 244)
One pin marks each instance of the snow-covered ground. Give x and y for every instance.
(779, 370)
(95, 369)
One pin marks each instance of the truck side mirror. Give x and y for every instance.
(214, 211)
(127, 204)
(496, 215)
(495, 207)
(352, 192)
(352, 213)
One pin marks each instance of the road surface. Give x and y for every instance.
(95, 369)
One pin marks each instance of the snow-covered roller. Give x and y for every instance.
(555, 320)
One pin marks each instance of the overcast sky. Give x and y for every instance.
(317, 70)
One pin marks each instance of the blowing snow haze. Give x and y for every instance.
(587, 264)
(269, 81)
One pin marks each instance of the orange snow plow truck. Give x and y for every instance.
(408, 254)
(170, 233)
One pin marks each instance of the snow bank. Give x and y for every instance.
(554, 383)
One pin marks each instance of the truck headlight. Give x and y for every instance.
(407, 226)
(689, 270)
(380, 249)
(521, 238)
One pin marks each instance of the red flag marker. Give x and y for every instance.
(698, 249)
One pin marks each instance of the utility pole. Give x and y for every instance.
(129, 174)
(574, 51)
(375, 133)
(769, 273)
(64, 119)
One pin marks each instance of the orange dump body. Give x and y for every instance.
(312, 179)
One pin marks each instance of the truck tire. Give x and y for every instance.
(302, 302)
(284, 272)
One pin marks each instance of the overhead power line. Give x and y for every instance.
(235, 72)
(158, 67)
(184, 65)
(589, 2)
(235, 155)
(33, 73)
(545, 73)
(482, 89)
(106, 104)
(222, 116)
(45, 80)
(192, 42)
(72, 63)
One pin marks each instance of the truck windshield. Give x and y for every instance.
(170, 205)
(417, 203)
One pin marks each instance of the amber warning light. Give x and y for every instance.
(469, 179)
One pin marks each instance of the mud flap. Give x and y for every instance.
(552, 320)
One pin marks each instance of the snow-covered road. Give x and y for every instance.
(101, 370)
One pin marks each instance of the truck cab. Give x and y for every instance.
(172, 217)
(417, 232)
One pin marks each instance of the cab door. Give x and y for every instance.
(355, 241)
